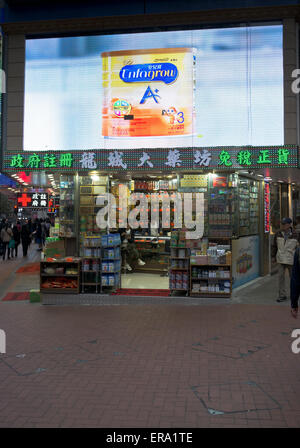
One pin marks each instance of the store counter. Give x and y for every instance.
(155, 252)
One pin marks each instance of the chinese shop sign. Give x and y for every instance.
(162, 159)
(267, 207)
(32, 200)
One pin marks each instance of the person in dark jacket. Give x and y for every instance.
(25, 238)
(17, 237)
(295, 283)
(38, 233)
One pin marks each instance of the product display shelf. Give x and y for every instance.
(67, 227)
(91, 264)
(179, 265)
(63, 268)
(211, 279)
(90, 188)
(110, 261)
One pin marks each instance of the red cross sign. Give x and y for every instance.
(24, 200)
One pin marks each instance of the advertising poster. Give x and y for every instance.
(245, 260)
(168, 89)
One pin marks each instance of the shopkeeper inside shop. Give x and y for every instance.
(129, 251)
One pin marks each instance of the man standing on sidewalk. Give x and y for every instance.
(284, 246)
(295, 283)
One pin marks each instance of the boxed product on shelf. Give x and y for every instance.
(111, 267)
(228, 258)
(104, 280)
(111, 280)
(85, 265)
(174, 239)
(92, 241)
(173, 252)
(196, 287)
(105, 266)
(95, 265)
(181, 253)
(111, 253)
(200, 259)
(110, 240)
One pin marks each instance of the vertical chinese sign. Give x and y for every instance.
(267, 207)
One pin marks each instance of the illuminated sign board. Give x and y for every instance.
(267, 207)
(166, 89)
(32, 200)
(162, 159)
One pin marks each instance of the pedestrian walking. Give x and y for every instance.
(25, 237)
(283, 248)
(17, 236)
(295, 283)
(37, 233)
(47, 227)
(44, 231)
(6, 236)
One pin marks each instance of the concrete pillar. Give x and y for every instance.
(290, 63)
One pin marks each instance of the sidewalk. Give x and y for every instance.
(11, 281)
(225, 364)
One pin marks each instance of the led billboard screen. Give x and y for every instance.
(195, 88)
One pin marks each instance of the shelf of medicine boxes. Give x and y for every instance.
(91, 263)
(179, 268)
(89, 208)
(204, 263)
(61, 267)
(110, 261)
(67, 209)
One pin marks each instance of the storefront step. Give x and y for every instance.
(95, 299)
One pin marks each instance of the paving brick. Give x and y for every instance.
(105, 368)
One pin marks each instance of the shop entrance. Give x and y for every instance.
(145, 251)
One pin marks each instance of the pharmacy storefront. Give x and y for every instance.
(174, 115)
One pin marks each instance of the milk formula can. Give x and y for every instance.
(148, 93)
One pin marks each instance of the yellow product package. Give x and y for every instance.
(148, 93)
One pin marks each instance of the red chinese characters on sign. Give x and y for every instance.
(267, 207)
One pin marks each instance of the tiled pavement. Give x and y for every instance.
(151, 366)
